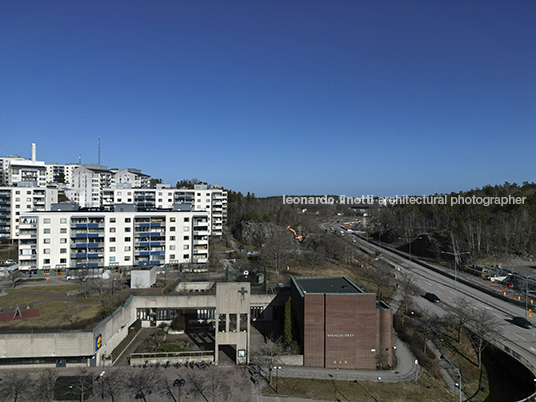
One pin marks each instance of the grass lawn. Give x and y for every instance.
(54, 289)
(427, 389)
(20, 299)
(53, 315)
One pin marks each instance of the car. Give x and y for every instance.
(432, 297)
(522, 322)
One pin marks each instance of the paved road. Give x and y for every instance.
(521, 340)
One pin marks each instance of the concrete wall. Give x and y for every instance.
(60, 344)
(142, 278)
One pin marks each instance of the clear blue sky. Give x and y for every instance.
(277, 97)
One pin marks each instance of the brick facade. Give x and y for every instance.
(343, 330)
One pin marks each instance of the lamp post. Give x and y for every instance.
(277, 368)
(443, 357)
(379, 379)
(179, 384)
(409, 243)
(456, 258)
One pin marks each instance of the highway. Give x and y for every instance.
(522, 341)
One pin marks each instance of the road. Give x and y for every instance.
(521, 340)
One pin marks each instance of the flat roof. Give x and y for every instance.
(330, 285)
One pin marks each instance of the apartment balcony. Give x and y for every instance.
(148, 253)
(5, 196)
(201, 232)
(152, 262)
(199, 260)
(5, 209)
(200, 251)
(89, 265)
(200, 242)
(150, 225)
(5, 202)
(149, 243)
(86, 235)
(78, 256)
(87, 225)
(87, 245)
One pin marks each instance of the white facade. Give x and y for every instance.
(16, 169)
(202, 198)
(54, 170)
(16, 201)
(132, 178)
(54, 241)
(89, 182)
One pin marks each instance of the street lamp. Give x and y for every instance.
(459, 385)
(409, 243)
(379, 379)
(179, 384)
(277, 368)
(456, 258)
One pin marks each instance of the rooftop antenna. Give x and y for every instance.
(79, 159)
(99, 151)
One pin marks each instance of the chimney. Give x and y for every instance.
(33, 152)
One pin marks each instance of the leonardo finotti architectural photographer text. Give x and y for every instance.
(404, 200)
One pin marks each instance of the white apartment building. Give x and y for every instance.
(133, 178)
(54, 170)
(52, 242)
(17, 170)
(211, 199)
(89, 182)
(16, 201)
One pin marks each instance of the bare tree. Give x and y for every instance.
(407, 288)
(484, 327)
(14, 385)
(44, 386)
(84, 384)
(381, 275)
(141, 383)
(277, 250)
(460, 315)
(14, 276)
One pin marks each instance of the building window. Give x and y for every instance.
(172, 229)
(46, 241)
(186, 247)
(46, 221)
(172, 247)
(172, 256)
(63, 220)
(186, 237)
(112, 230)
(186, 256)
(63, 251)
(46, 261)
(186, 219)
(112, 249)
(171, 238)
(127, 220)
(63, 260)
(112, 220)
(63, 241)
(63, 230)
(127, 248)
(127, 229)
(112, 259)
(127, 239)
(46, 251)
(127, 258)
(186, 229)
(46, 231)
(112, 239)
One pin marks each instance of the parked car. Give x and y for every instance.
(432, 297)
(522, 322)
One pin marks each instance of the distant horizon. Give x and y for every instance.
(304, 97)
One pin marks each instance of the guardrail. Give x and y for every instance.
(140, 359)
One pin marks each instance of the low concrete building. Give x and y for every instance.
(142, 278)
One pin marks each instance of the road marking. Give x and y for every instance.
(520, 337)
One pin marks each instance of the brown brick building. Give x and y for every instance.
(341, 326)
